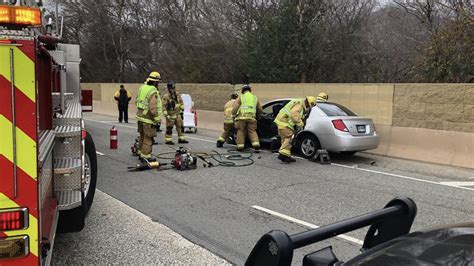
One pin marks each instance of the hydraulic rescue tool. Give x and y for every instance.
(145, 166)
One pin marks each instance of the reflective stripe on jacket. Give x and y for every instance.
(144, 94)
(149, 106)
(292, 114)
(248, 107)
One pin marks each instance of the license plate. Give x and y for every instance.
(361, 129)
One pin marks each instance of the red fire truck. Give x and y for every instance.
(48, 166)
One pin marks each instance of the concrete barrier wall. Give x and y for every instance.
(447, 107)
(426, 122)
(372, 100)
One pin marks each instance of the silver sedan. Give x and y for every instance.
(329, 126)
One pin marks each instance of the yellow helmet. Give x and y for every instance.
(323, 96)
(311, 100)
(154, 76)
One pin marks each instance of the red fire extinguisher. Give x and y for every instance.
(113, 138)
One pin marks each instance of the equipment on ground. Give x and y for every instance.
(322, 157)
(184, 160)
(134, 147)
(47, 158)
(113, 138)
(147, 165)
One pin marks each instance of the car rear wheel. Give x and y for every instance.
(308, 145)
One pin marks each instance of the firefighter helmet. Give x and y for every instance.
(311, 100)
(323, 96)
(154, 76)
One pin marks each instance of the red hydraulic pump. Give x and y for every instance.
(113, 138)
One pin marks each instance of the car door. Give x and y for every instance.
(267, 130)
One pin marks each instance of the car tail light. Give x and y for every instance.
(84, 134)
(13, 219)
(14, 247)
(339, 125)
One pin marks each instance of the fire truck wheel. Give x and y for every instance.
(90, 172)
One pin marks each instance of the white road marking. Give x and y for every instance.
(100, 153)
(446, 184)
(459, 184)
(303, 223)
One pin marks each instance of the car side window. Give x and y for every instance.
(333, 109)
(268, 109)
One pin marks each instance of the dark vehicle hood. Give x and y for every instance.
(452, 245)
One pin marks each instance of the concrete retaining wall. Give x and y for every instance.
(426, 122)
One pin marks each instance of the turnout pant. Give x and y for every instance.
(286, 135)
(247, 128)
(170, 123)
(147, 132)
(228, 130)
(123, 112)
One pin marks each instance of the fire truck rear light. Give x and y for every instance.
(339, 125)
(14, 247)
(13, 219)
(16, 15)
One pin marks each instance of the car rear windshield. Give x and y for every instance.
(334, 109)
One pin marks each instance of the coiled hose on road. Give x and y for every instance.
(232, 158)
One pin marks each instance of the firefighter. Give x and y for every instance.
(123, 98)
(246, 110)
(228, 120)
(289, 120)
(149, 109)
(322, 97)
(173, 107)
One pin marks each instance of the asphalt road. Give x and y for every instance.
(226, 209)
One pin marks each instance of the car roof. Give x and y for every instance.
(289, 99)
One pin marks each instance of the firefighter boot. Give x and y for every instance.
(286, 159)
(219, 144)
(183, 141)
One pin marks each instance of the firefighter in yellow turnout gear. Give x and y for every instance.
(246, 109)
(173, 108)
(228, 120)
(288, 120)
(149, 109)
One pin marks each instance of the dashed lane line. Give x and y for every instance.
(459, 184)
(303, 223)
(446, 184)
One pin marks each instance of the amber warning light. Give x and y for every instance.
(16, 15)
(15, 219)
